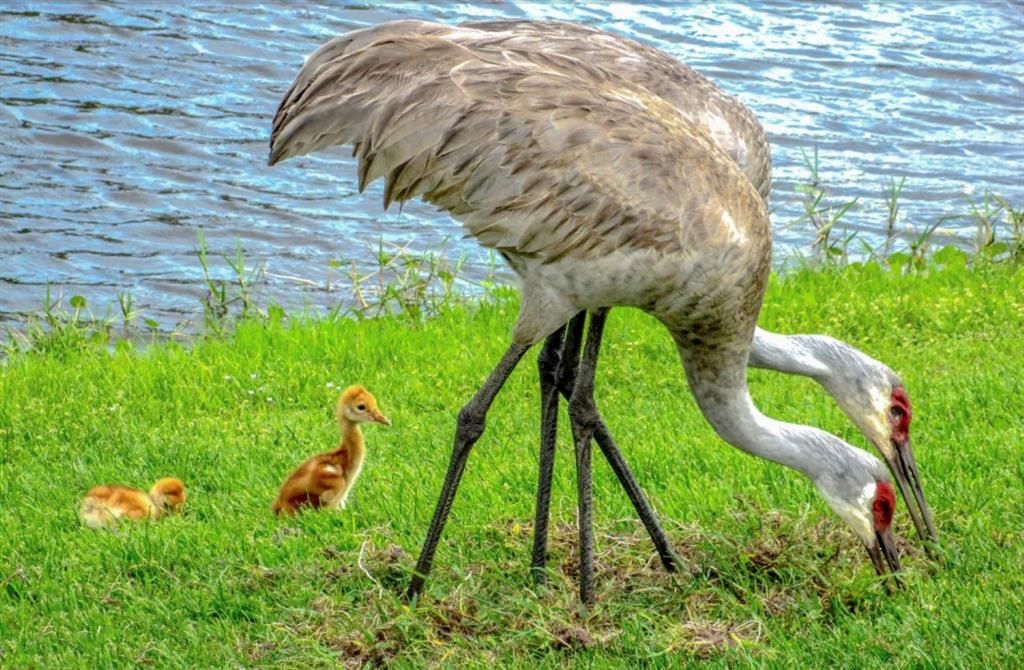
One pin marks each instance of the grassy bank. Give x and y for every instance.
(771, 576)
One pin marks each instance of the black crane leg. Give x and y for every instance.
(468, 430)
(562, 367)
(584, 418)
(636, 496)
(561, 352)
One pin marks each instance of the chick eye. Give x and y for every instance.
(361, 407)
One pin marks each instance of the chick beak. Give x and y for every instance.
(904, 469)
(885, 556)
(380, 418)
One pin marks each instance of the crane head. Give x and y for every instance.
(875, 399)
(358, 405)
(868, 508)
(899, 456)
(168, 495)
(883, 504)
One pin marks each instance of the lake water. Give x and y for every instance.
(126, 128)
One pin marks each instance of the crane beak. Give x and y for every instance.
(904, 469)
(884, 555)
(380, 418)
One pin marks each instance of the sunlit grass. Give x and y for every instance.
(770, 575)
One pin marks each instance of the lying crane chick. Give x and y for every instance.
(325, 479)
(106, 506)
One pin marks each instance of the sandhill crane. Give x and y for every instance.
(326, 479)
(867, 390)
(870, 393)
(106, 506)
(598, 193)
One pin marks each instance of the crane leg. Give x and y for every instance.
(558, 358)
(469, 428)
(562, 368)
(627, 480)
(584, 417)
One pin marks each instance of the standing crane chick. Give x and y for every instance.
(325, 479)
(106, 506)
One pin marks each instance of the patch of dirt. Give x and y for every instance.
(708, 638)
(453, 620)
(393, 553)
(357, 652)
(623, 557)
(763, 556)
(906, 546)
(340, 572)
(570, 638)
(384, 566)
(488, 598)
(332, 553)
(390, 565)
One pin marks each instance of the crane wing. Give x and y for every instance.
(729, 123)
(537, 153)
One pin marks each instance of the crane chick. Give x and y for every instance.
(326, 479)
(106, 506)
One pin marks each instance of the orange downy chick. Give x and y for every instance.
(326, 479)
(105, 506)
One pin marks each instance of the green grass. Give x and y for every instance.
(770, 575)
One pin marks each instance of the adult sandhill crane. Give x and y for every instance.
(598, 193)
(870, 393)
(867, 390)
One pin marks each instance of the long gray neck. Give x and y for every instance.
(844, 371)
(719, 384)
(805, 355)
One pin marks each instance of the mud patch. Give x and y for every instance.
(360, 652)
(570, 638)
(705, 639)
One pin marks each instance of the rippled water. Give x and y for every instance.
(126, 128)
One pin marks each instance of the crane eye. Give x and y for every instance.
(361, 407)
(896, 413)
